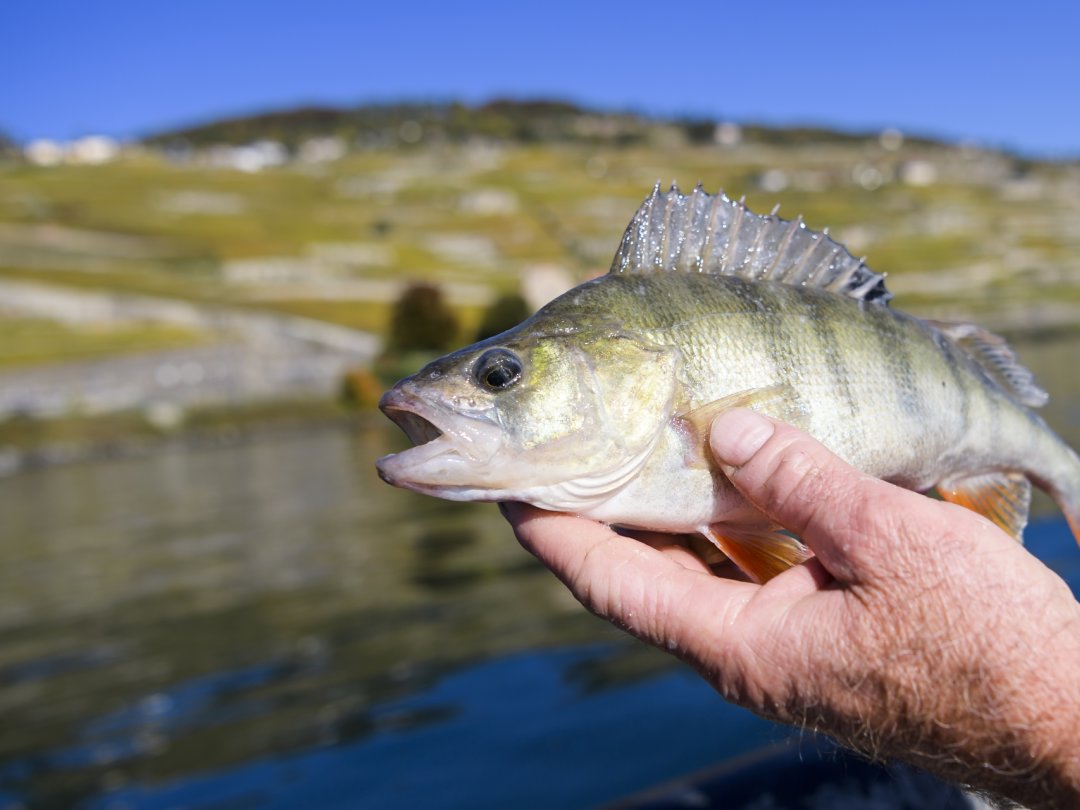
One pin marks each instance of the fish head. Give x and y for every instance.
(516, 415)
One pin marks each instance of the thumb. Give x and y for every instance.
(848, 519)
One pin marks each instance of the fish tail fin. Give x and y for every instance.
(1064, 488)
(1073, 518)
(1070, 505)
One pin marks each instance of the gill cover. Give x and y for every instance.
(586, 416)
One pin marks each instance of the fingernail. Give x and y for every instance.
(738, 434)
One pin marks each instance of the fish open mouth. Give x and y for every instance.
(415, 418)
(448, 446)
(416, 427)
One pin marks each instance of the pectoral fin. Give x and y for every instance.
(779, 401)
(1003, 497)
(760, 554)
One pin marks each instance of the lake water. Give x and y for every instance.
(268, 625)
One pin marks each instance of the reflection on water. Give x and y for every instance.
(202, 610)
(269, 625)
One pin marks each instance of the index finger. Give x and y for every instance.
(638, 587)
(860, 527)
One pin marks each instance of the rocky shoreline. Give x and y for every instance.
(209, 429)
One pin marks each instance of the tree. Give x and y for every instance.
(422, 321)
(8, 147)
(505, 312)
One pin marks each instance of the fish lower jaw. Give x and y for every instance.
(444, 469)
(420, 464)
(447, 492)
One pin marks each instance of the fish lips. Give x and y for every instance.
(451, 448)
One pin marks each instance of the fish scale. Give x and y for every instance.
(744, 336)
(601, 403)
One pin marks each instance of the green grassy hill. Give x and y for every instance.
(473, 198)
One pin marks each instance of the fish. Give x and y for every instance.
(600, 403)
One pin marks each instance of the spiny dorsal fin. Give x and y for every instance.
(710, 233)
(995, 357)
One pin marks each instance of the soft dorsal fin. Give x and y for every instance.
(710, 233)
(994, 356)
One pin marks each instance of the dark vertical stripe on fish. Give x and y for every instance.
(953, 361)
(780, 345)
(761, 306)
(890, 334)
(829, 340)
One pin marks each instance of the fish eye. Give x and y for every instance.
(498, 369)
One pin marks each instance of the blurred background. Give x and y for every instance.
(226, 228)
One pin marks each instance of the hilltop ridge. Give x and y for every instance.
(536, 120)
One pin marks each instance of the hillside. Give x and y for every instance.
(259, 257)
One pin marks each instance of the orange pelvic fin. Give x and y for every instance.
(760, 554)
(1003, 497)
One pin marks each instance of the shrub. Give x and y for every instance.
(421, 320)
(505, 312)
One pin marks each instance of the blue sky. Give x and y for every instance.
(1004, 74)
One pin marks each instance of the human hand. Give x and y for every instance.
(920, 631)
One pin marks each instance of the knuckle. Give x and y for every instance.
(796, 486)
(588, 585)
